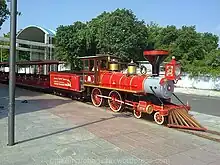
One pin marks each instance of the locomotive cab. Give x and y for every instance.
(93, 66)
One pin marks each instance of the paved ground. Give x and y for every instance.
(200, 92)
(202, 104)
(54, 130)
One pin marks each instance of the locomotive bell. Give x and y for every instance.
(113, 65)
(132, 68)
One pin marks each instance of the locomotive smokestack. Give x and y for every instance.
(156, 69)
(155, 57)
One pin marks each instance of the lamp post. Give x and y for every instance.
(11, 112)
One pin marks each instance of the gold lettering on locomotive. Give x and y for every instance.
(169, 71)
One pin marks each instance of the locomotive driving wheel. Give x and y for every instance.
(96, 99)
(137, 114)
(115, 101)
(159, 119)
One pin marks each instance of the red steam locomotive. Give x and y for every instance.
(102, 79)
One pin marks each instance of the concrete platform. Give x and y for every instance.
(59, 131)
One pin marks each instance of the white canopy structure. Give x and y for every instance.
(34, 33)
(32, 43)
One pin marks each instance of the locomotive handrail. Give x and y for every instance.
(180, 101)
(156, 95)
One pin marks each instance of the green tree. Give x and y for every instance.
(4, 12)
(4, 53)
(163, 38)
(187, 45)
(209, 65)
(153, 31)
(197, 52)
(71, 43)
(119, 33)
(210, 41)
(196, 49)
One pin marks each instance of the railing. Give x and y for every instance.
(25, 42)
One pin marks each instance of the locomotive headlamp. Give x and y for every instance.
(168, 87)
(177, 71)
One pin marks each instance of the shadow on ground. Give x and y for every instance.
(66, 130)
(4, 92)
(31, 106)
(26, 101)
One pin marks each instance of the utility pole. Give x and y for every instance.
(1, 54)
(11, 112)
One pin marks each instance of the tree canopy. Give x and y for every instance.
(4, 52)
(121, 33)
(4, 12)
(118, 32)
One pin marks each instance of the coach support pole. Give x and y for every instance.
(11, 112)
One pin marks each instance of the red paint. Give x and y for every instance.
(4, 76)
(39, 81)
(66, 81)
(119, 80)
(142, 105)
(156, 52)
(163, 81)
(170, 70)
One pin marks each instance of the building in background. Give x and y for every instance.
(33, 43)
(43, 38)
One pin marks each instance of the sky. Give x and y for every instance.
(205, 14)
